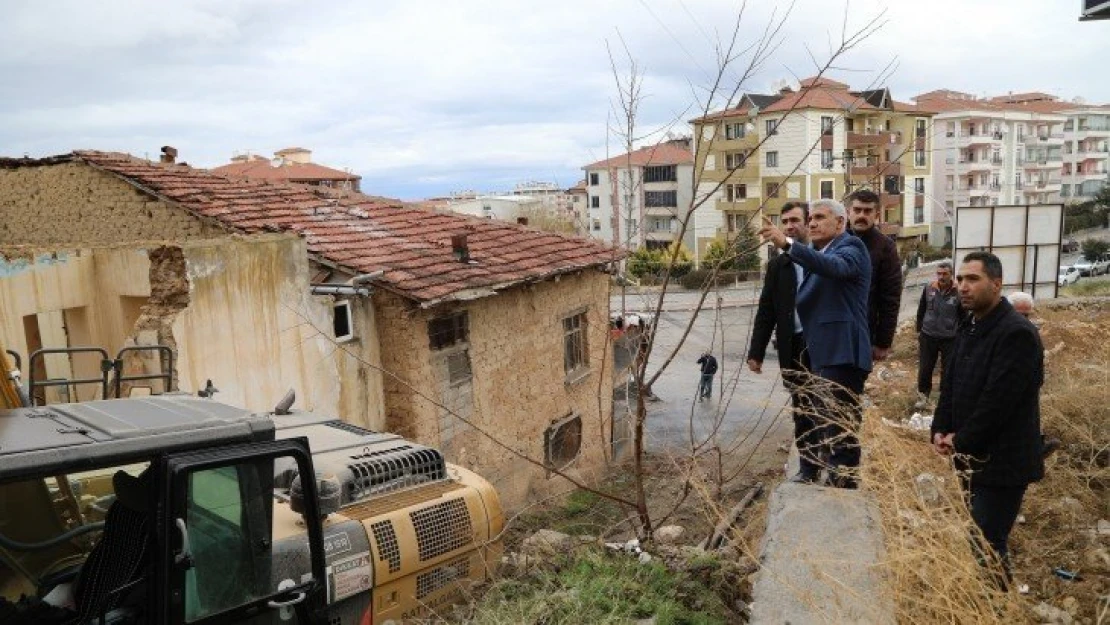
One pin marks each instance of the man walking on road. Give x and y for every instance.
(988, 414)
(776, 314)
(938, 315)
(885, 295)
(708, 369)
(832, 306)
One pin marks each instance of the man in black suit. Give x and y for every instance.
(988, 414)
(776, 314)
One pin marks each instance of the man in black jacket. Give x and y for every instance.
(886, 271)
(708, 366)
(988, 414)
(776, 314)
(938, 315)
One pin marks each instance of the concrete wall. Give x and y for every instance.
(518, 386)
(243, 318)
(74, 204)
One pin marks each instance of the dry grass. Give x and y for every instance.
(931, 564)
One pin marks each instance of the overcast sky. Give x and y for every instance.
(425, 97)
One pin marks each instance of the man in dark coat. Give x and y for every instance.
(832, 306)
(885, 295)
(988, 414)
(938, 315)
(776, 315)
(708, 366)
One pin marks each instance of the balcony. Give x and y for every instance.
(872, 168)
(986, 138)
(748, 205)
(1083, 176)
(890, 200)
(1093, 131)
(981, 164)
(1091, 153)
(996, 161)
(882, 137)
(1045, 138)
(661, 211)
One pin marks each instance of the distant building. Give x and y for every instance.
(289, 165)
(1013, 149)
(823, 140)
(639, 198)
(503, 207)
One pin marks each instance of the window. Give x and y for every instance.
(661, 173)
(736, 192)
(575, 355)
(919, 186)
(950, 129)
(597, 225)
(921, 128)
(341, 323)
(772, 189)
(826, 125)
(595, 201)
(826, 159)
(222, 541)
(665, 199)
(562, 441)
(919, 214)
(450, 330)
(826, 189)
(734, 131)
(772, 127)
(458, 367)
(594, 179)
(773, 159)
(736, 160)
(919, 158)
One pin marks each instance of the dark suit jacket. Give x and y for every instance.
(886, 287)
(776, 312)
(832, 303)
(990, 398)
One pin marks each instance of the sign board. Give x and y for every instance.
(1026, 238)
(1094, 10)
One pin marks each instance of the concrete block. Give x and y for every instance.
(820, 559)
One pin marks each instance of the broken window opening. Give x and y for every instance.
(342, 324)
(458, 367)
(562, 442)
(575, 354)
(447, 331)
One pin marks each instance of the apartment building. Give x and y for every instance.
(639, 198)
(823, 140)
(1025, 148)
(289, 165)
(1086, 152)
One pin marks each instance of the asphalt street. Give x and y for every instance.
(745, 407)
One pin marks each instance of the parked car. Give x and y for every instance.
(1068, 275)
(1085, 267)
(1102, 265)
(1070, 246)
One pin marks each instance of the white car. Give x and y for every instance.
(1101, 265)
(1086, 267)
(1068, 275)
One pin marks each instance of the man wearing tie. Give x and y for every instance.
(832, 306)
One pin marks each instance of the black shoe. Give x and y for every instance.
(1049, 445)
(804, 478)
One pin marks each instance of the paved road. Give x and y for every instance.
(744, 405)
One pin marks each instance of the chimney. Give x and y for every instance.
(459, 248)
(785, 90)
(523, 221)
(169, 154)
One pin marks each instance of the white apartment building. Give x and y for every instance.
(503, 207)
(1086, 152)
(991, 152)
(638, 199)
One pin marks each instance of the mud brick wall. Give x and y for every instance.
(518, 386)
(72, 203)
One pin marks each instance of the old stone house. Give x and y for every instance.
(483, 338)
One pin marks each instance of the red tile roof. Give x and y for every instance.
(820, 93)
(666, 153)
(261, 169)
(365, 234)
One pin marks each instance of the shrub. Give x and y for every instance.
(697, 278)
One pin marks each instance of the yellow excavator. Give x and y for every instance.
(176, 509)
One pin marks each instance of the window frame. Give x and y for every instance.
(572, 421)
(576, 363)
(772, 126)
(771, 158)
(460, 330)
(175, 470)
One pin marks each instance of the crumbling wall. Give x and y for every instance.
(75, 204)
(518, 384)
(169, 296)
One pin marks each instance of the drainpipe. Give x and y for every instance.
(363, 278)
(340, 289)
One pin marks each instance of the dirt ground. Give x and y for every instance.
(1060, 544)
